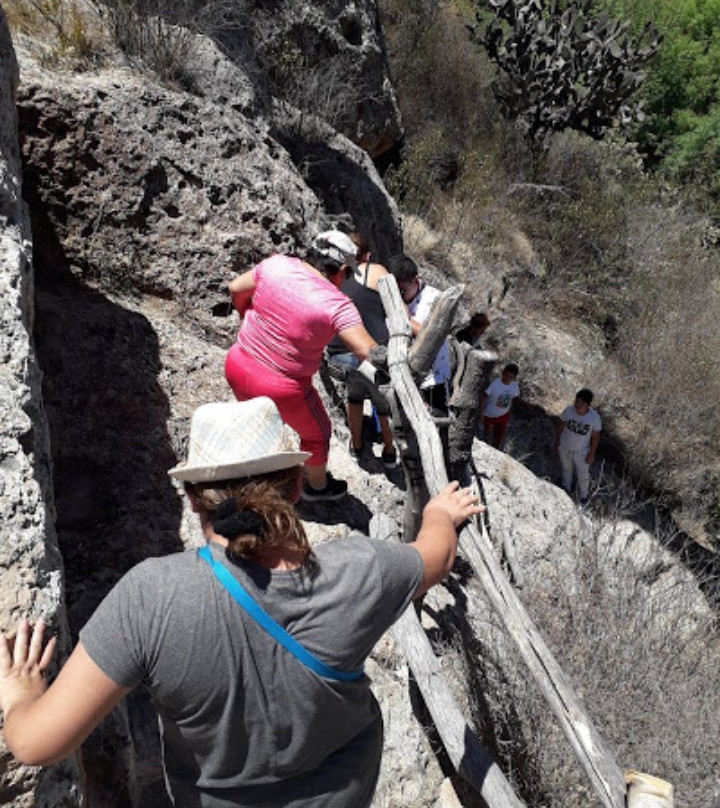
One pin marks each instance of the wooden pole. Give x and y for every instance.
(434, 331)
(409, 410)
(465, 404)
(465, 751)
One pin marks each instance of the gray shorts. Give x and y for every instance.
(358, 387)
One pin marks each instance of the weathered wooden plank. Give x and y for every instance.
(434, 331)
(600, 766)
(604, 774)
(465, 751)
(465, 404)
(413, 409)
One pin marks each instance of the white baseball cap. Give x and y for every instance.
(336, 245)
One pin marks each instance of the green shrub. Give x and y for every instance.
(683, 85)
(694, 156)
(414, 181)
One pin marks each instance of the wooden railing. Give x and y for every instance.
(423, 459)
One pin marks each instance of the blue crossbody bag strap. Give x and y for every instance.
(240, 595)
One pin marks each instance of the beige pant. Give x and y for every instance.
(573, 460)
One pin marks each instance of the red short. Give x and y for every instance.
(497, 423)
(296, 399)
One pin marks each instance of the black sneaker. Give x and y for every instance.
(354, 453)
(332, 490)
(389, 458)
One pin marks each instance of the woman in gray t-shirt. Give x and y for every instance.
(245, 721)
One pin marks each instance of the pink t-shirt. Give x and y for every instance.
(294, 314)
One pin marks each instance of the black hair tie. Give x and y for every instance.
(230, 522)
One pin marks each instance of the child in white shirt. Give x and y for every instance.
(496, 402)
(577, 435)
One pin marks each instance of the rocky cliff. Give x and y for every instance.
(31, 568)
(142, 201)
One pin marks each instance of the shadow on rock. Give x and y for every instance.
(345, 189)
(110, 446)
(349, 511)
(110, 450)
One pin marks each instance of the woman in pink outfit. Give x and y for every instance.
(291, 309)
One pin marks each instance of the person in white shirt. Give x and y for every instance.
(419, 296)
(496, 402)
(577, 435)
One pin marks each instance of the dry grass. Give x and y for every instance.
(66, 33)
(645, 657)
(640, 644)
(589, 239)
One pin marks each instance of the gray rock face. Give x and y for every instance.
(329, 58)
(338, 172)
(227, 79)
(144, 202)
(143, 191)
(30, 564)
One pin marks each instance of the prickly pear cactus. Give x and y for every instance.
(563, 68)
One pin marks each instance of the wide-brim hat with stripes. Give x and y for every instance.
(238, 439)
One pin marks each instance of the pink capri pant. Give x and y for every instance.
(296, 399)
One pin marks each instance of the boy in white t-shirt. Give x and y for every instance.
(577, 435)
(419, 297)
(496, 402)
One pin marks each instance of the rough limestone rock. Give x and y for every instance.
(144, 202)
(344, 178)
(167, 194)
(31, 583)
(225, 76)
(329, 58)
(141, 190)
(542, 522)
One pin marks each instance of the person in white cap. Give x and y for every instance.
(361, 286)
(252, 646)
(291, 309)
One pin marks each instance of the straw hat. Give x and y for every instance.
(337, 245)
(237, 439)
